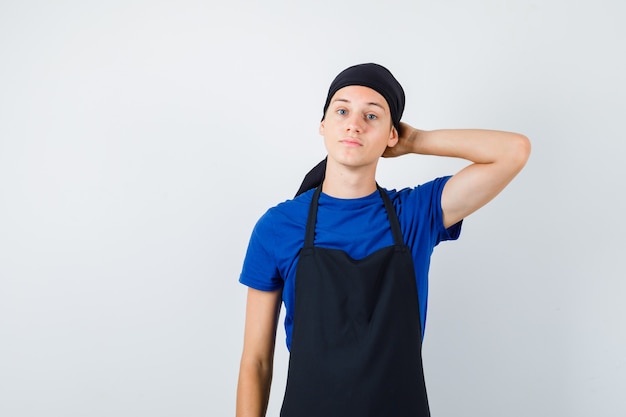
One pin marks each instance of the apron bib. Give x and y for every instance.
(356, 342)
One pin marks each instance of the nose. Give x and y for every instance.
(354, 123)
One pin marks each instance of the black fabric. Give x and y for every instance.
(356, 347)
(314, 177)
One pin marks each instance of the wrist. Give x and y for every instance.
(417, 138)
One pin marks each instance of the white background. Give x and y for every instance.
(141, 140)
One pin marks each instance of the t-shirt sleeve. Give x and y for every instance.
(453, 232)
(422, 216)
(260, 270)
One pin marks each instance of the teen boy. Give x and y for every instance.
(350, 259)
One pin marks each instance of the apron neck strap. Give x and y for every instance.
(309, 236)
(393, 217)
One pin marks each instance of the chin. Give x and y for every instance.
(352, 162)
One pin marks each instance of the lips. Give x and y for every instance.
(351, 142)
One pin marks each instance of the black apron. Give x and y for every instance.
(356, 342)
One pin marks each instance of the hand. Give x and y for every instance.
(408, 142)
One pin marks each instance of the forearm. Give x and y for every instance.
(253, 389)
(475, 145)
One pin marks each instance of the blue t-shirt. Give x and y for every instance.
(357, 226)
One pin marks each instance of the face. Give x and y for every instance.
(357, 127)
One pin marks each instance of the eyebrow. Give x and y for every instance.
(371, 103)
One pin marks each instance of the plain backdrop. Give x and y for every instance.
(140, 141)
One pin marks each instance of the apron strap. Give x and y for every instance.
(393, 217)
(309, 236)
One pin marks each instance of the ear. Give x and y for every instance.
(393, 137)
(322, 128)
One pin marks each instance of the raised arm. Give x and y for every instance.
(257, 359)
(497, 158)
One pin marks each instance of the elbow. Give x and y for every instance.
(520, 150)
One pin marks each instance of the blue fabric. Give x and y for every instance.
(357, 226)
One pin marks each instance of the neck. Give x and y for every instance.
(349, 182)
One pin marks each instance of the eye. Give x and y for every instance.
(342, 112)
(371, 116)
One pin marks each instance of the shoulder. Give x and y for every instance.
(424, 194)
(419, 209)
(285, 215)
(276, 239)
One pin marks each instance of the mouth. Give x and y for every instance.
(351, 142)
